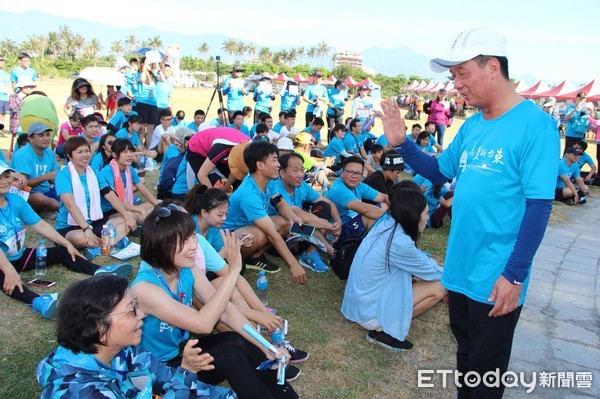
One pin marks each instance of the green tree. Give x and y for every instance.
(9, 47)
(313, 52)
(323, 50)
(230, 46)
(155, 42)
(203, 48)
(66, 42)
(131, 43)
(78, 44)
(117, 47)
(264, 55)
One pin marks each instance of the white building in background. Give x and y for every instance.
(342, 57)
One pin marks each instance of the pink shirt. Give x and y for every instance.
(72, 132)
(202, 142)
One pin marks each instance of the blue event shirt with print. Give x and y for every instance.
(28, 162)
(498, 164)
(247, 204)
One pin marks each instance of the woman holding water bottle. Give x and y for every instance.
(15, 215)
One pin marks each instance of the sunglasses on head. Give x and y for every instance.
(165, 211)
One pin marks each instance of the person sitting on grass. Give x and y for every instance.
(320, 210)
(199, 117)
(171, 275)
(36, 161)
(288, 129)
(70, 128)
(131, 133)
(348, 193)
(123, 114)
(208, 207)
(390, 167)
(103, 153)
(163, 134)
(439, 201)
(98, 329)
(568, 171)
(315, 131)
(80, 218)
(380, 294)
(16, 215)
(121, 177)
(354, 142)
(585, 159)
(238, 123)
(179, 120)
(336, 147)
(374, 156)
(248, 213)
(423, 143)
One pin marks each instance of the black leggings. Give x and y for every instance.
(55, 255)
(236, 360)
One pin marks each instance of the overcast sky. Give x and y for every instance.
(548, 39)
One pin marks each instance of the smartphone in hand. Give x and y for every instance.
(304, 230)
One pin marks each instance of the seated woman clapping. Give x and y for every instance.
(169, 278)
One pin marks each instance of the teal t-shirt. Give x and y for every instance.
(341, 195)
(498, 164)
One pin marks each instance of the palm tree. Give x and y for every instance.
(323, 49)
(92, 49)
(264, 55)
(203, 48)
(78, 44)
(155, 42)
(292, 56)
(131, 43)
(8, 47)
(230, 46)
(116, 47)
(240, 50)
(301, 52)
(251, 49)
(313, 52)
(53, 44)
(66, 42)
(280, 57)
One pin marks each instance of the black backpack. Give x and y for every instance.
(168, 177)
(427, 107)
(344, 255)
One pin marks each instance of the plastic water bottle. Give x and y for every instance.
(41, 254)
(262, 285)
(278, 338)
(105, 237)
(142, 162)
(112, 238)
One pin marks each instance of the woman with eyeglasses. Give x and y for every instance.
(171, 275)
(380, 294)
(98, 329)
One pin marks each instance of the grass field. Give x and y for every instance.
(342, 364)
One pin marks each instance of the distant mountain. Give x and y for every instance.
(399, 60)
(390, 62)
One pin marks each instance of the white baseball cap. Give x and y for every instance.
(285, 143)
(468, 45)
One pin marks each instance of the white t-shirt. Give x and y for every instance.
(158, 134)
(284, 132)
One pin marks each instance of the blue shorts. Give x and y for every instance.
(52, 193)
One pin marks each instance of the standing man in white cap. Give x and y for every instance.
(504, 188)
